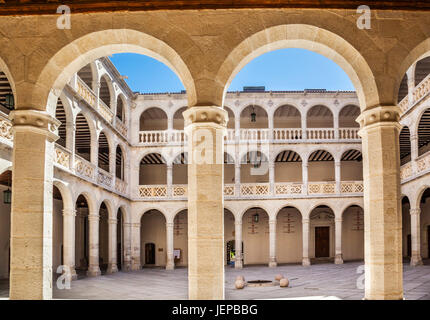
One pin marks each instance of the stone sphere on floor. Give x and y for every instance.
(278, 277)
(284, 282)
(240, 278)
(239, 284)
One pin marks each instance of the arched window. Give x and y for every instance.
(254, 116)
(288, 167)
(351, 166)
(82, 137)
(119, 163)
(120, 108)
(103, 152)
(422, 70)
(178, 119)
(287, 117)
(153, 119)
(86, 74)
(104, 93)
(319, 116)
(405, 145)
(153, 170)
(348, 115)
(321, 166)
(60, 114)
(424, 133)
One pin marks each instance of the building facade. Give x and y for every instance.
(293, 175)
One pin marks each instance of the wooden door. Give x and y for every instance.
(149, 253)
(322, 242)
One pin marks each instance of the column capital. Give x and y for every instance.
(414, 211)
(112, 221)
(208, 114)
(135, 225)
(70, 212)
(305, 220)
(378, 116)
(170, 224)
(35, 120)
(272, 221)
(338, 220)
(238, 223)
(93, 217)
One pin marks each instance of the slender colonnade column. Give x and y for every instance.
(238, 263)
(272, 243)
(338, 259)
(93, 267)
(205, 128)
(127, 246)
(135, 246)
(382, 208)
(170, 265)
(31, 209)
(337, 175)
(416, 237)
(305, 232)
(112, 243)
(69, 215)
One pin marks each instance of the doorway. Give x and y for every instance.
(322, 242)
(149, 253)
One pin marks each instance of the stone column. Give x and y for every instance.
(410, 73)
(237, 177)
(69, 216)
(31, 209)
(305, 232)
(382, 208)
(112, 162)
(170, 265)
(414, 153)
(338, 259)
(416, 259)
(127, 246)
(238, 263)
(112, 243)
(272, 243)
(304, 126)
(336, 125)
(305, 166)
(205, 128)
(169, 179)
(135, 246)
(96, 88)
(93, 265)
(272, 178)
(70, 141)
(337, 175)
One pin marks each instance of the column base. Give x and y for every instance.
(306, 262)
(135, 267)
(273, 264)
(416, 261)
(112, 268)
(73, 273)
(94, 271)
(126, 267)
(170, 266)
(238, 264)
(338, 259)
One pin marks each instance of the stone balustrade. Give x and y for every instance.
(5, 128)
(104, 178)
(258, 190)
(163, 137)
(84, 168)
(421, 90)
(62, 156)
(120, 186)
(85, 92)
(422, 166)
(121, 127)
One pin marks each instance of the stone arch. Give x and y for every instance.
(288, 166)
(76, 54)
(110, 207)
(321, 166)
(423, 131)
(283, 116)
(261, 117)
(92, 206)
(320, 111)
(405, 145)
(80, 120)
(157, 118)
(347, 116)
(157, 174)
(231, 117)
(351, 165)
(66, 194)
(104, 143)
(259, 205)
(308, 37)
(121, 108)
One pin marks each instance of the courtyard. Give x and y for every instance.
(318, 281)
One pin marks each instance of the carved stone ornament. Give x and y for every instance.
(379, 115)
(205, 115)
(35, 120)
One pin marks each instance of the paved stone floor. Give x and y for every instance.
(319, 281)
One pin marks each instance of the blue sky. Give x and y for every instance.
(285, 69)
